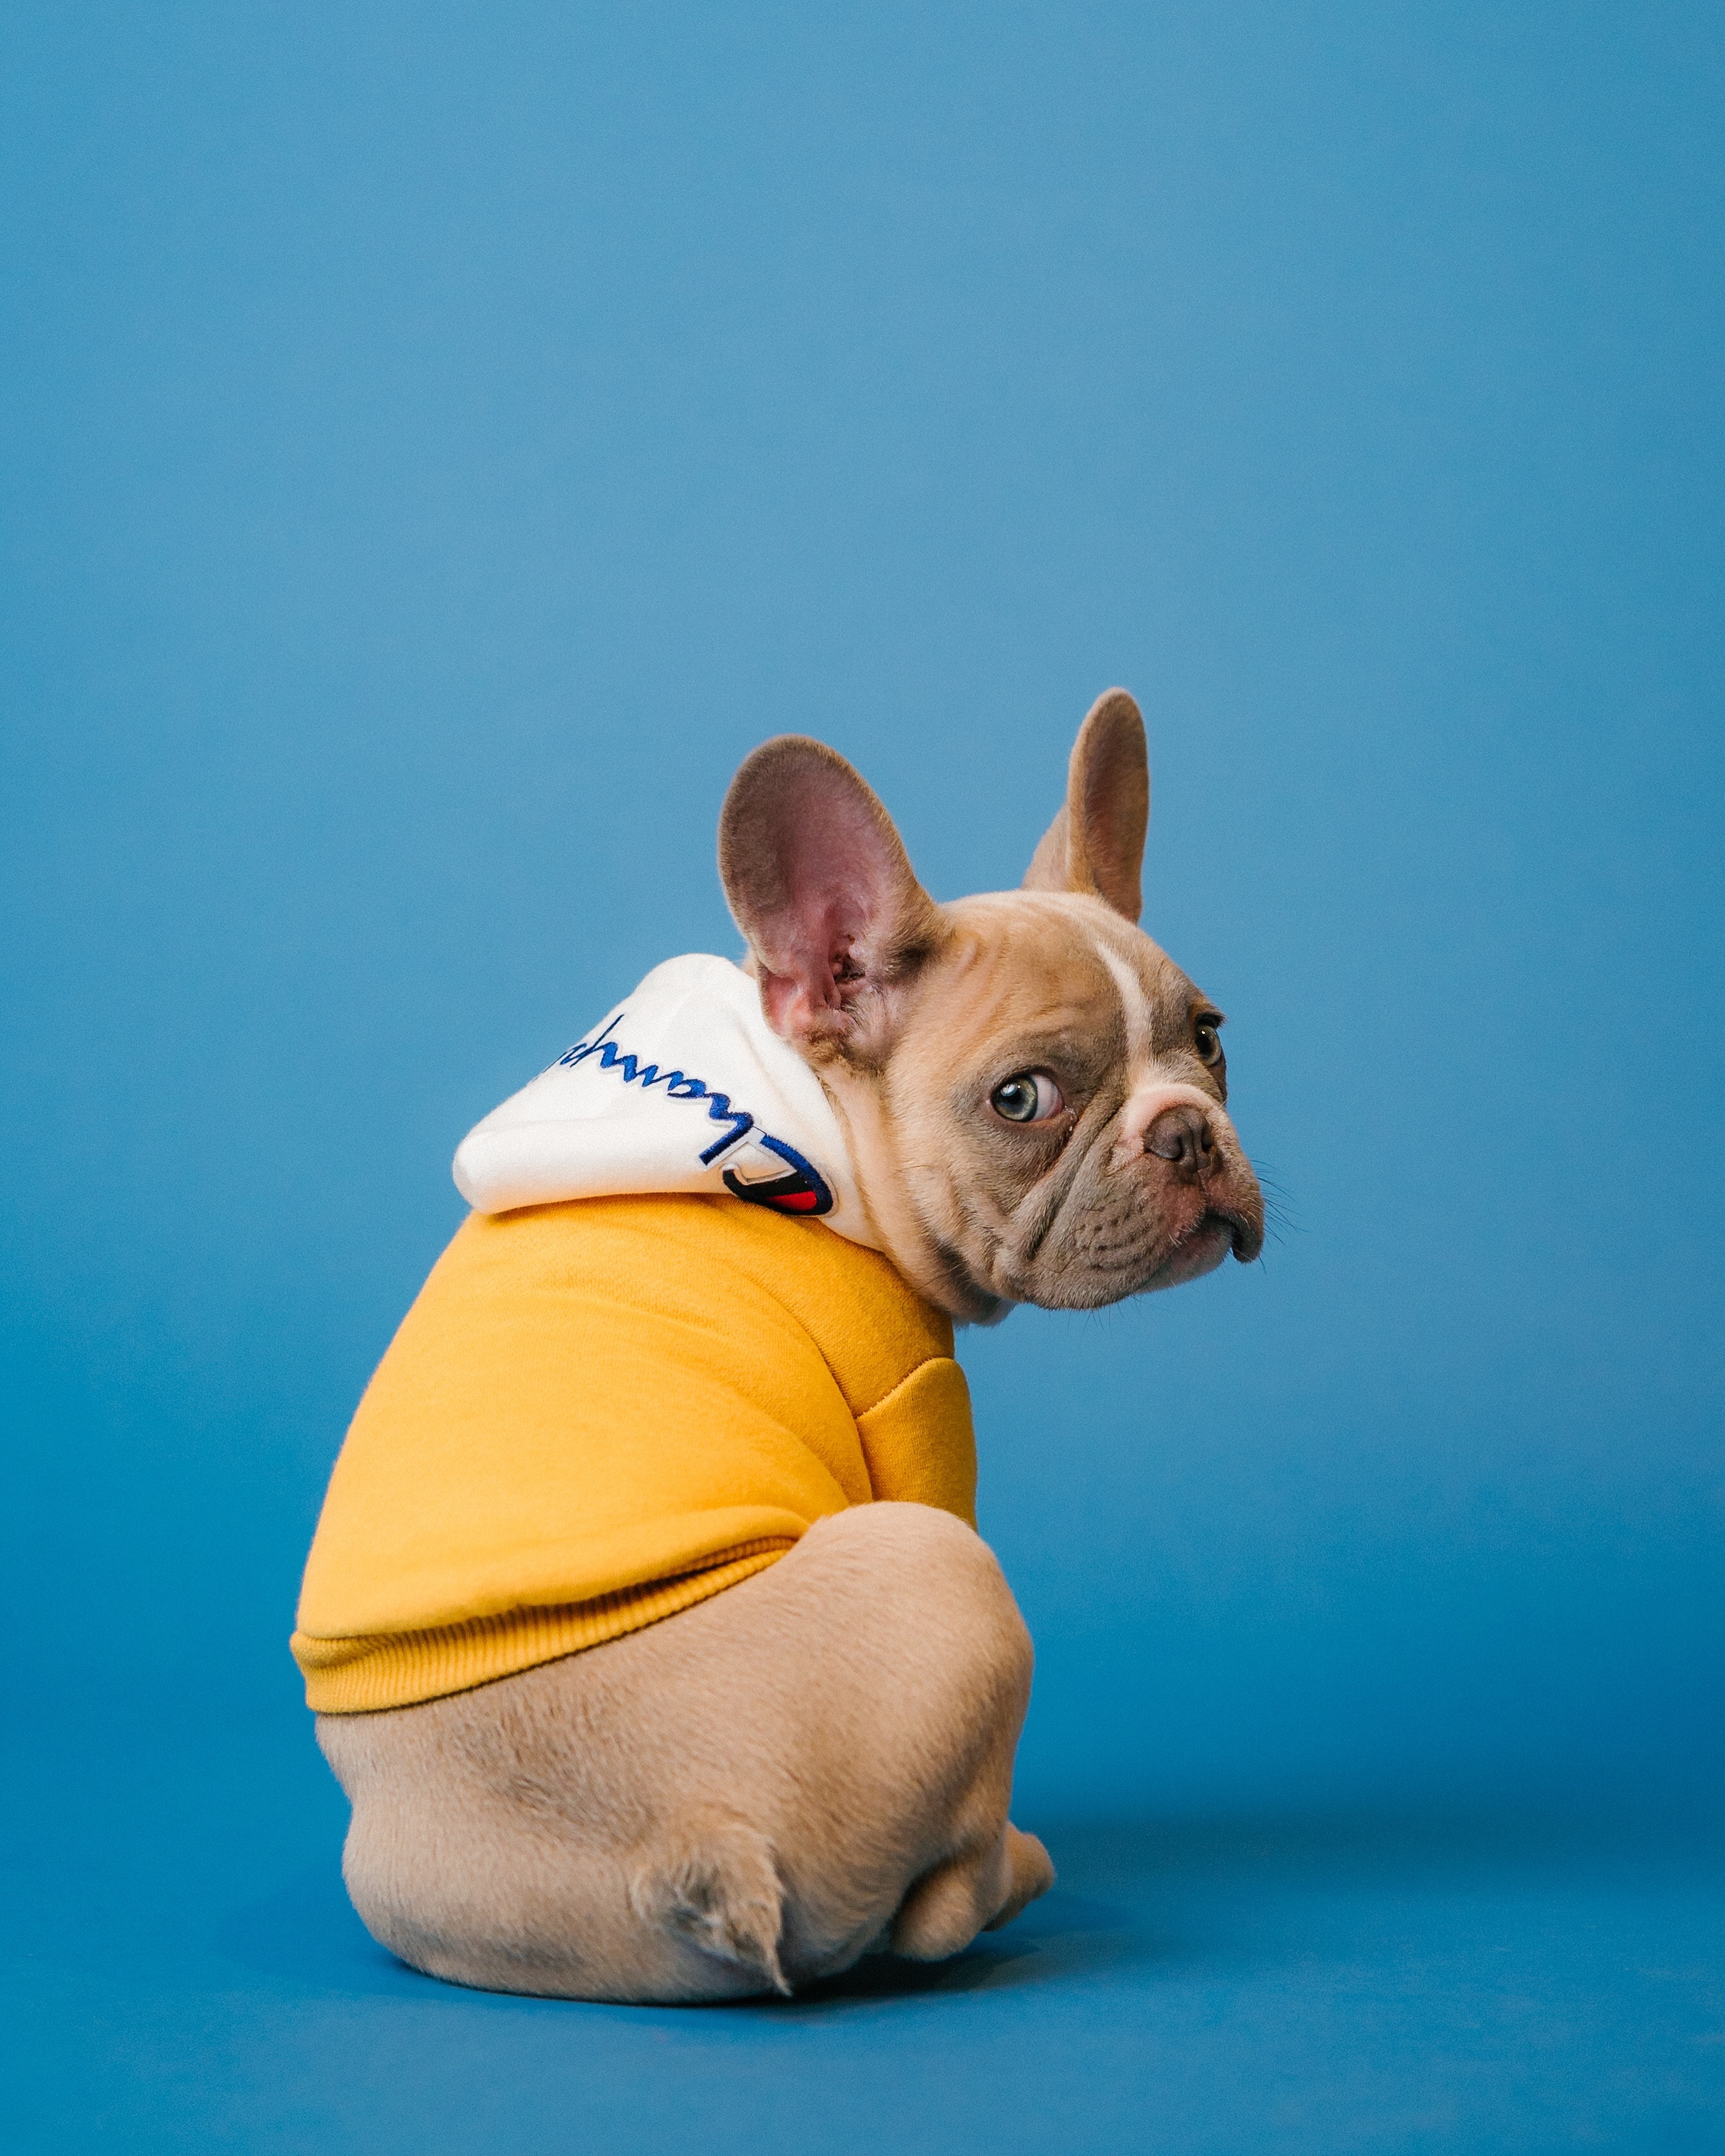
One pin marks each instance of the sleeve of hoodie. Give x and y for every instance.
(919, 1442)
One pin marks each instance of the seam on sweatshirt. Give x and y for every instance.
(909, 1377)
(370, 1672)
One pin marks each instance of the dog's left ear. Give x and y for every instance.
(819, 883)
(1097, 843)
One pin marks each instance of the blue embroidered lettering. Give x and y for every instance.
(581, 1050)
(609, 1057)
(719, 1107)
(678, 1086)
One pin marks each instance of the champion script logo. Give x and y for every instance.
(800, 1188)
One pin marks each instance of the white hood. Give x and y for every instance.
(683, 1087)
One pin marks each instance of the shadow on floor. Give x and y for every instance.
(306, 1934)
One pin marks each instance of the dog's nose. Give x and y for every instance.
(1182, 1137)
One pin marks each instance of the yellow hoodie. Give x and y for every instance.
(598, 1413)
(605, 1411)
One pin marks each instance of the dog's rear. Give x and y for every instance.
(745, 1797)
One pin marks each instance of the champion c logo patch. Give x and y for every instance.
(798, 1189)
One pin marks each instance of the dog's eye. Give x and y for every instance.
(1031, 1096)
(1207, 1041)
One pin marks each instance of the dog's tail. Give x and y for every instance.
(713, 1879)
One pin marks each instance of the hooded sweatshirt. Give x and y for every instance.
(664, 1342)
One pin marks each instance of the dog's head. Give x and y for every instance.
(1034, 1093)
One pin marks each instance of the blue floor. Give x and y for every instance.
(183, 1973)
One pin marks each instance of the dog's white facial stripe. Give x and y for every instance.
(1140, 1054)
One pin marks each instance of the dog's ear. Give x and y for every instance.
(1096, 842)
(819, 883)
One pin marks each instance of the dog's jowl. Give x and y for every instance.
(647, 1623)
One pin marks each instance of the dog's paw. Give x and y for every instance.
(1033, 1874)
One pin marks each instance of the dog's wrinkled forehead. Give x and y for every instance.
(1035, 972)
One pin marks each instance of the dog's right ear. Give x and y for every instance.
(1096, 842)
(819, 883)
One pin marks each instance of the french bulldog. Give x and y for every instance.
(816, 1762)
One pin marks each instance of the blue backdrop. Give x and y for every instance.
(439, 442)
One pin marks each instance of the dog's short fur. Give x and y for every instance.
(818, 1760)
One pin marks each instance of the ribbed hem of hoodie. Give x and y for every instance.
(368, 1673)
